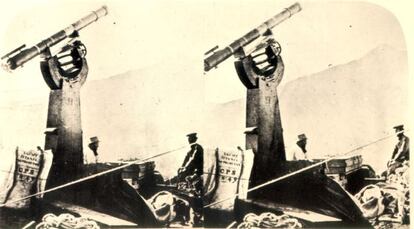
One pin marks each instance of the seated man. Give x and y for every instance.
(191, 170)
(190, 177)
(401, 151)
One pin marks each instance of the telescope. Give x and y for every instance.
(19, 56)
(221, 55)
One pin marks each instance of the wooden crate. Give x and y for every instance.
(343, 165)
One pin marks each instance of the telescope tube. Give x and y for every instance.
(221, 55)
(29, 53)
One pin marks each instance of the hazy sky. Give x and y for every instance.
(174, 35)
(152, 34)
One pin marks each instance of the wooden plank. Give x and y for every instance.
(99, 217)
(295, 212)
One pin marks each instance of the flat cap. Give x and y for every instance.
(399, 127)
(192, 135)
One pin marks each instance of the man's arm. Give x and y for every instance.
(394, 152)
(405, 149)
(195, 160)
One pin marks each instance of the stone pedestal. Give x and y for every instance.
(63, 127)
(265, 135)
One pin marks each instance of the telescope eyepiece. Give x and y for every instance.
(6, 67)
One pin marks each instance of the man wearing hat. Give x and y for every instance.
(193, 162)
(402, 148)
(191, 173)
(94, 147)
(298, 151)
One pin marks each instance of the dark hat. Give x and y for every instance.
(399, 128)
(194, 135)
(302, 137)
(94, 139)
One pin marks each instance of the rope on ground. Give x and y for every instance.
(301, 170)
(91, 176)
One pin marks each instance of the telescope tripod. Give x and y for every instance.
(64, 73)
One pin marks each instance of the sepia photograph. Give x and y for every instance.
(205, 114)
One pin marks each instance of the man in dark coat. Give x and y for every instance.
(401, 151)
(193, 162)
(190, 178)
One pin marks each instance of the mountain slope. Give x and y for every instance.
(350, 105)
(147, 111)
